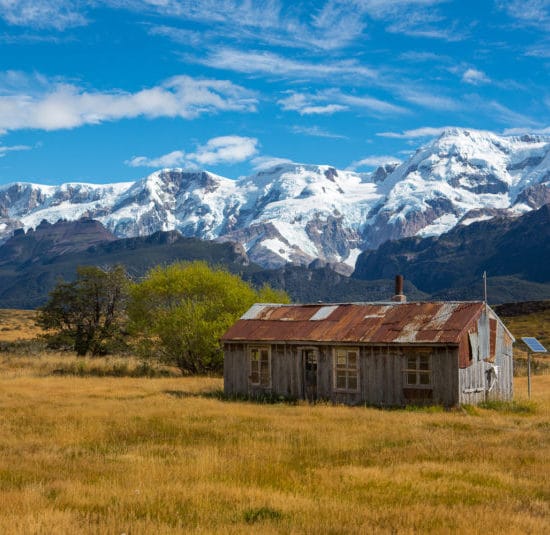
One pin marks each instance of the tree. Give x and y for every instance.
(88, 313)
(179, 313)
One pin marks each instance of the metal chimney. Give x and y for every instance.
(399, 296)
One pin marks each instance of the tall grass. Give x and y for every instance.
(98, 446)
(18, 325)
(165, 455)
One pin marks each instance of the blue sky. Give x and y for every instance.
(110, 90)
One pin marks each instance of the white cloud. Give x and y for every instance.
(322, 110)
(369, 103)
(43, 14)
(258, 14)
(330, 101)
(332, 25)
(429, 99)
(421, 57)
(373, 161)
(178, 35)
(14, 148)
(316, 131)
(265, 162)
(475, 77)
(306, 104)
(526, 130)
(225, 149)
(539, 51)
(528, 12)
(425, 131)
(416, 18)
(175, 158)
(68, 106)
(504, 114)
(383, 8)
(218, 150)
(276, 65)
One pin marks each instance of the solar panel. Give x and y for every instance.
(534, 345)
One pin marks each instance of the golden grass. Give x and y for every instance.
(18, 325)
(125, 455)
(536, 324)
(167, 455)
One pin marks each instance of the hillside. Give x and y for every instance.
(515, 252)
(33, 262)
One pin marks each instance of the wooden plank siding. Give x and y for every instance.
(381, 373)
(495, 349)
(464, 346)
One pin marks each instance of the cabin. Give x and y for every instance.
(390, 353)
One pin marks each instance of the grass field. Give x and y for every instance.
(167, 455)
(17, 325)
(83, 450)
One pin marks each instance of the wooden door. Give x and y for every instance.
(310, 361)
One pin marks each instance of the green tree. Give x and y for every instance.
(179, 313)
(88, 313)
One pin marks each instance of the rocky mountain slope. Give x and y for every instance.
(33, 262)
(296, 213)
(515, 253)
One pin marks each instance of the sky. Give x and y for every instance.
(111, 90)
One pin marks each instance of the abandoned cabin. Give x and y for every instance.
(386, 353)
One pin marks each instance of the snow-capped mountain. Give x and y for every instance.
(298, 213)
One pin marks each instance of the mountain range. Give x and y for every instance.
(32, 262)
(513, 251)
(297, 213)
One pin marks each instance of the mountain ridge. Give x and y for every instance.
(514, 250)
(34, 262)
(297, 213)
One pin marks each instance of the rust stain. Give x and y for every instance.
(492, 339)
(374, 323)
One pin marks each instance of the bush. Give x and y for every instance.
(180, 312)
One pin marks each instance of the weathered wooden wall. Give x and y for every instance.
(381, 375)
(504, 388)
(495, 350)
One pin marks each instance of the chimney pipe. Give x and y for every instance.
(399, 297)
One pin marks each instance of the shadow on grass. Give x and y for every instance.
(259, 514)
(513, 407)
(274, 399)
(116, 369)
(219, 394)
(506, 407)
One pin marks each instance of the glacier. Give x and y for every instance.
(298, 213)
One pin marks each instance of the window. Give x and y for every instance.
(346, 369)
(417, 372)
(260, 366)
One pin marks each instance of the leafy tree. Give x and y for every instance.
(87, 314)
(179, 313)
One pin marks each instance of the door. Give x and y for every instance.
(309, 359)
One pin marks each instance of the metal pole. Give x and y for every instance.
(529, 374)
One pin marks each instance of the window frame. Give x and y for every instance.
(259, 349)
(346, 370)
(422, 368)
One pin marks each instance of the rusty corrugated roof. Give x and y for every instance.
(375, 323)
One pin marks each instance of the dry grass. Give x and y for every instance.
(18, 325)
(168, 455)
(126, 455)
(536, 324)
(31, 359)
